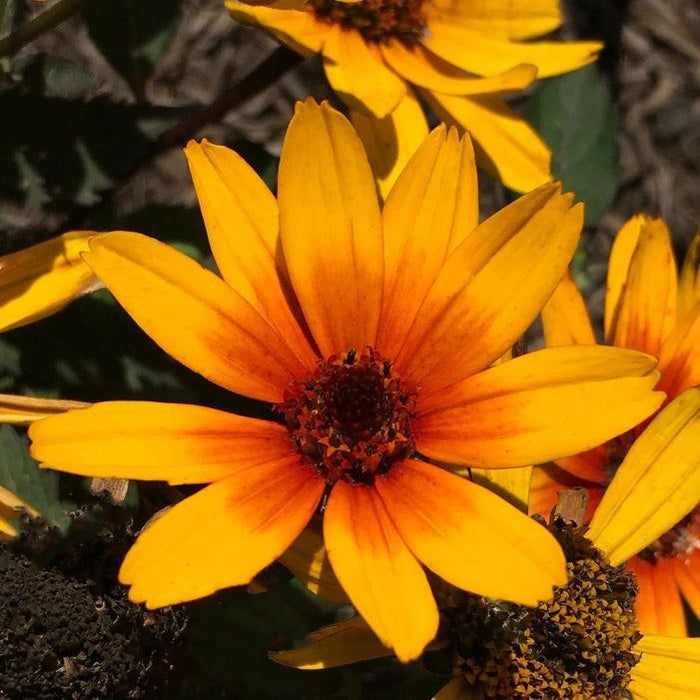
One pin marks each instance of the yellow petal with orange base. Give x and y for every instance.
(471, 316)
(383, 579)
(485, 54)
(669, 669)
(357, 72)
(689, 282)
(23, 410)
(470, 537)
(242, 223)
(507, 146)
(646, 310)
(565, 319)
(658, 604)
(331, 229)
(657, 484)
(299, 30)
(516, 19)
(345, 642)
(621, 253)
(390, 142)
(194, 315)
(177, 443)
(423, 68)
(680, 355)
(432, 207)
(42, 279)
(307, 559)
(538, 407)
(223, 535)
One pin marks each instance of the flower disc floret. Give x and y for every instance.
(579, 645)
(377, 20)
(352, 418)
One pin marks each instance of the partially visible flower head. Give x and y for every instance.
(371, 334)
(649, 306)
(460, 56)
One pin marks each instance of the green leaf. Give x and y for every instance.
(133, 35)
(576, 116)
(21, 474)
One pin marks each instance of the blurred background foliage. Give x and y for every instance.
(94, 114)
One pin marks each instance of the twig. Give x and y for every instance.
(35, 27)
(259, 79)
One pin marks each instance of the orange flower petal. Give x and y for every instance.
(223, 535)
(507, 147)
(330, 228)
(471, 537)
(383, 579)
(242, 223)
(390, 142)
(688, 578)
(44, 278)
(194, 316)
(430, 210)
(177, 443)
(300, 31)
(421, 67)
(646, 310)
(356, 71)
(486, 54)
(516, 19)
(680, 355)
(490, 290)
(459, 689)
(538, 407)
(590, 465)
(565, 318)
(658, 606)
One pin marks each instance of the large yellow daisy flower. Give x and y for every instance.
(585, 643)
(460, 56)
(648, 307)
(371, 333)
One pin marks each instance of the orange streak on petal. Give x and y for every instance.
(658, 606)
(223, 535)
(383, 579)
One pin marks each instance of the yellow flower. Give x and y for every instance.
(460, 56)
(648, 307)
(585, 643)
(11, 507)
(370, 334)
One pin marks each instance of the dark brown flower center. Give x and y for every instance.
(351, 418)
(579, 645)
(376, 20)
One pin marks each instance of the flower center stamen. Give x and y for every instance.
(376, 20)
(352, 418)
(579, 645)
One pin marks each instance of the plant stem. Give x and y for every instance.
(35, 27)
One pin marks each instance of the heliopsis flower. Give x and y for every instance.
(11, 507)
(460, 56)
(648, 307)
(586, 642)
(370, 335)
